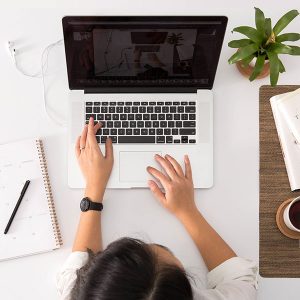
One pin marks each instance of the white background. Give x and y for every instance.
(231, 206)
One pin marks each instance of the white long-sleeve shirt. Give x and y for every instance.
(234, 279)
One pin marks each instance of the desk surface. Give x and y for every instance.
(135, 212)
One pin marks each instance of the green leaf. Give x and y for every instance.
(279, 48)
(243, 53)
(258, 67)
(246, 61)
(285, 20)
(268, 27)
(250, 32)
(274, 67)
(288, 37)
(239, 43)
(281, 66)
(260, 21)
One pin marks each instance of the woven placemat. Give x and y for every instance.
(279, 256)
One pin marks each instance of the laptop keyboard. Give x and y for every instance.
(151, 122)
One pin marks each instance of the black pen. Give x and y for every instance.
(24, 189)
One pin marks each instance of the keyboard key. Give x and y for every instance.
(105, 103)
(180, 109)
(88, 109)
(123, 117)
(160, 139)
(88, 103)
(112, 103)
(96, 109)
(171, 124)
(192, 116)
(117, 124)
(190, 109)
(107, 117)
(114, 139)
(192, 141)
(103, 139)
(136, 103)
(146, 117)
(140, 124)
(148, 124)
(169, 139)
(142, 109)
(111, 109)
(184, 103)
(178, 123)
(128, 131)
(136, 131)
(187, 131)
(153, 117)
(136, 139)
(96, 103)
(126, 110)
(98, 139)
(121, 131)
(128, 103)
(135, 110)
(175, 131)
(109, 124)
(132, 123)
(160, 103)
(176, 116)
(99, 131)
(161, 117)
(116, 117)
(100, 117)
(88, 116)
(144, 103)
(113, 131)
(151, 131)
(167, 131)
(159, 131)
(184, 116)
(189, 124)
(125, 124)
(103, 124)
(165, 109)
(130, 117)
(138, 116)
(152, 103)
(176, 141)
(169, 117)
(173, 109)
(168, 103)
(163, 124)
(157, 109)
(144, 131)
(105, 131)
(150, 109)
(192, 103)
(104, 110)
(120, 103)
(155, 124)
(119, 109)
(176, 103)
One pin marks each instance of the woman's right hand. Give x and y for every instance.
(178, 197)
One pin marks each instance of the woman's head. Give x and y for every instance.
(130, 269)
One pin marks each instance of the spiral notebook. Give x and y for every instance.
(35, 228)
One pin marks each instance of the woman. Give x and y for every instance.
(131, 269)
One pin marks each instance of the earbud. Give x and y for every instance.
(12, 50)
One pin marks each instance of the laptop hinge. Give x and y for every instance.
(132, 90)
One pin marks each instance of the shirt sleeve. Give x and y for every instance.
(234, 279)
(66, 277)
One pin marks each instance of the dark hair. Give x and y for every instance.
(129, 270)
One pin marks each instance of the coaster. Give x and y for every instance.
(280, 222)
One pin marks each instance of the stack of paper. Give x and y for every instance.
(286, 112)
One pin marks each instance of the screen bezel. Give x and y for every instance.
(67, 29)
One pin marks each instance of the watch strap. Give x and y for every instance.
(95, 206)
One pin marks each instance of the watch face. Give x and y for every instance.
(84, 204)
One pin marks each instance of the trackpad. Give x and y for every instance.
(132, 165)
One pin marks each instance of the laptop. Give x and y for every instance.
(149, 81)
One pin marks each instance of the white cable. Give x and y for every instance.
(40, 74)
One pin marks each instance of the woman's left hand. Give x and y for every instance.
(95, 167)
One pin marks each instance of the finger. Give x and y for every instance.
(175, 165)
(158, 175)
(188, 168)
(158, 194)
(109, 153)
(167, 166)
(97, 127)
(91, 138)
(77, 147)
(83, 137)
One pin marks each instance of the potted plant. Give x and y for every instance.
(257, 55)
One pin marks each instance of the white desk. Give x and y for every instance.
(231, 206)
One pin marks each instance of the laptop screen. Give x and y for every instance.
(141, 52)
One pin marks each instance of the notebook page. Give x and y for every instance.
(31, 230)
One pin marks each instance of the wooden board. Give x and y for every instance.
(279, 256)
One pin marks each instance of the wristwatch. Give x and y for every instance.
(86, 204)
